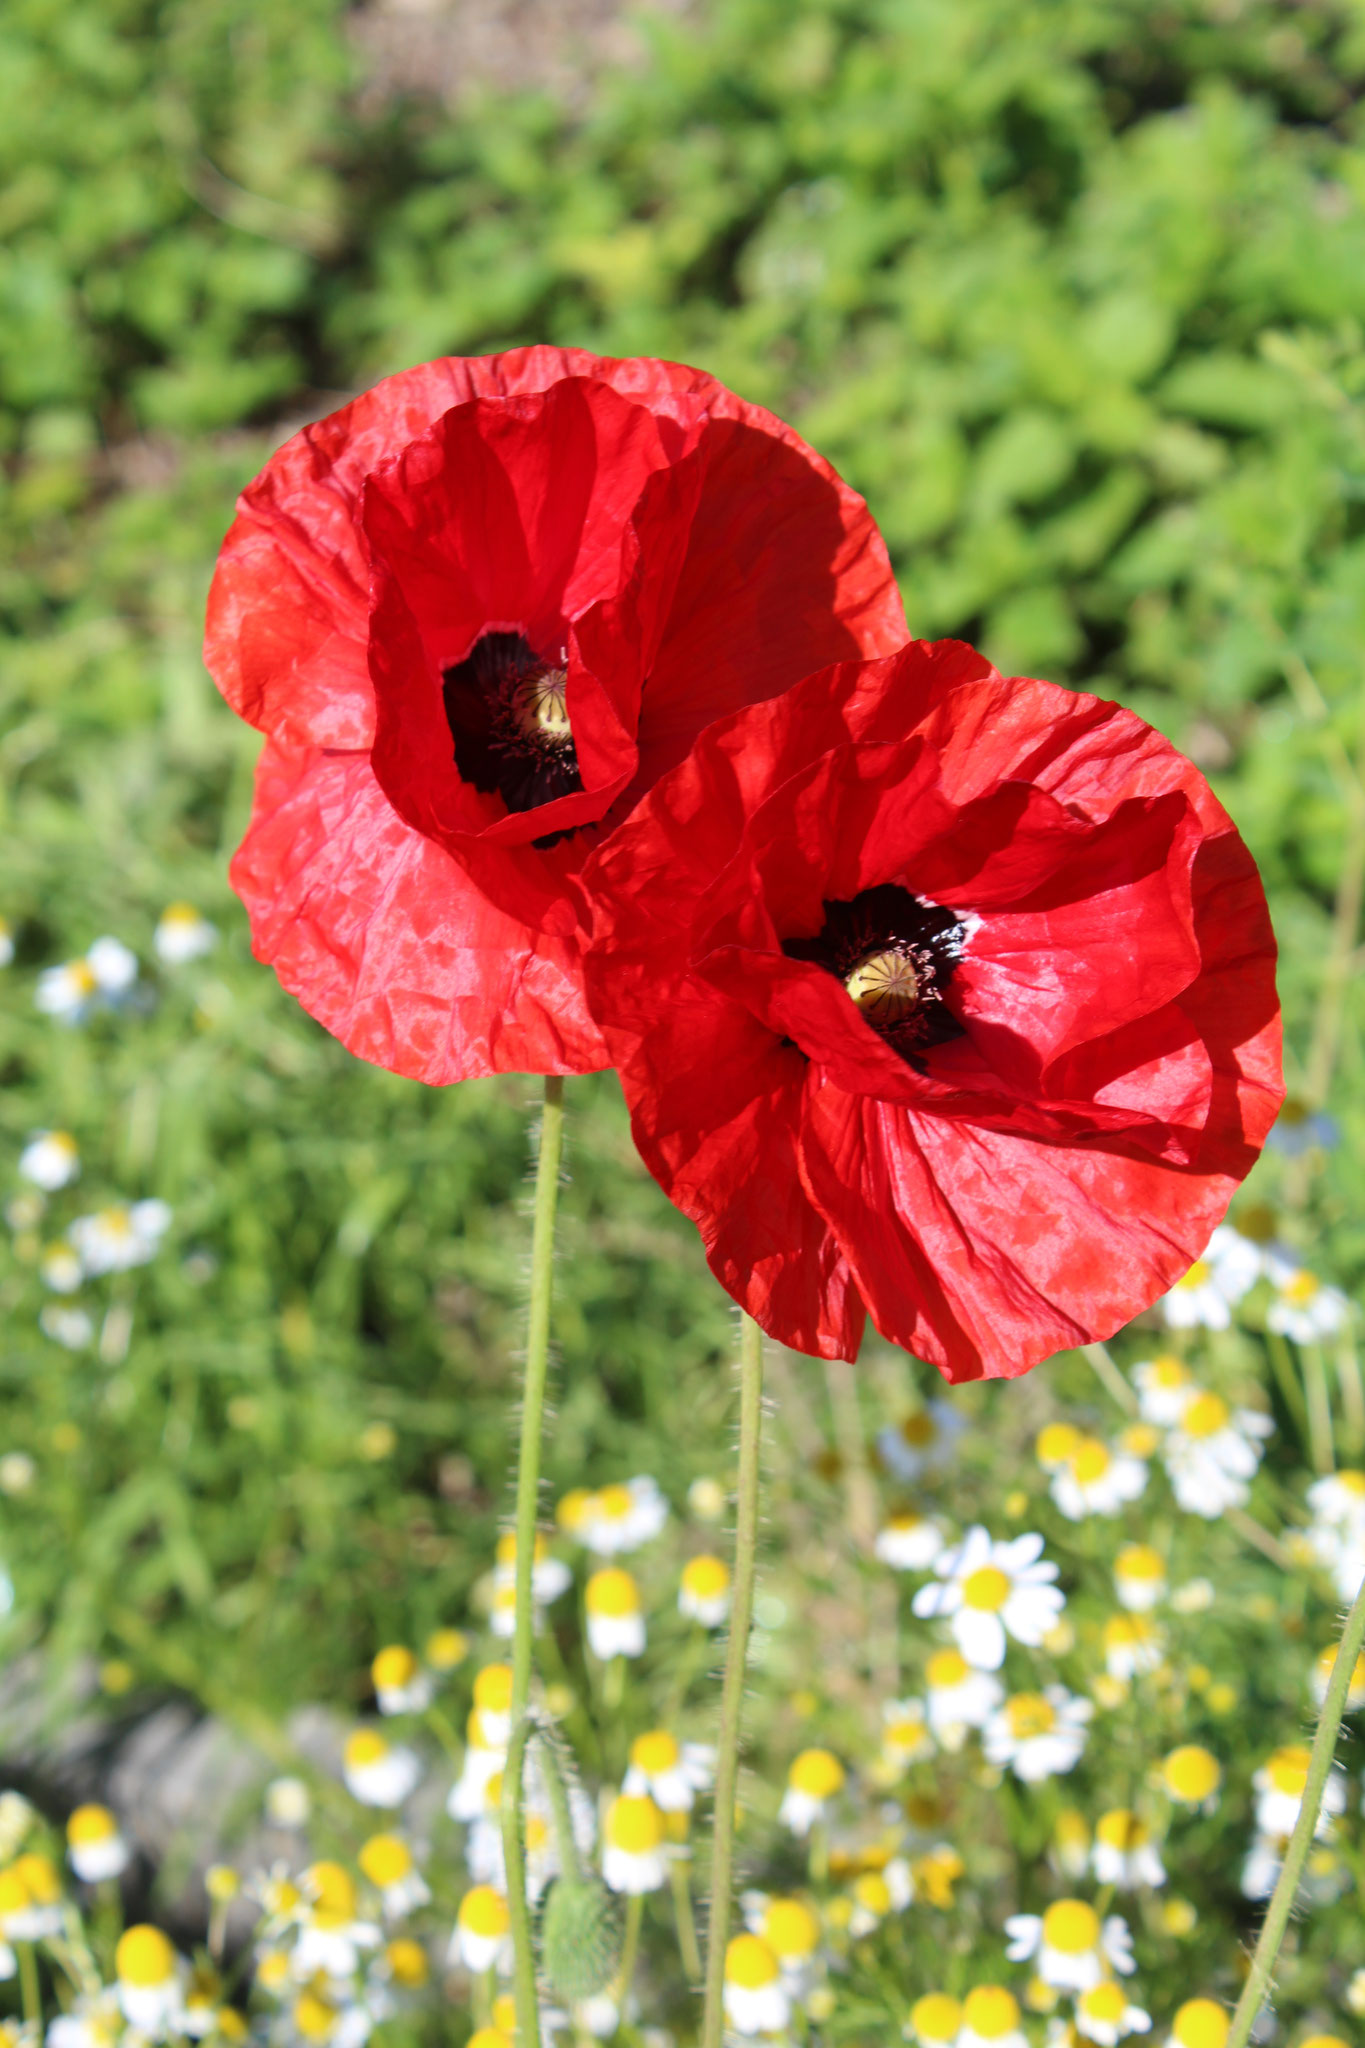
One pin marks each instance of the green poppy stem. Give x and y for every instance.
(528, 1494)
(732, 1691)
(1257, 1986)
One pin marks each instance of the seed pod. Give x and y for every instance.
(580, 1936)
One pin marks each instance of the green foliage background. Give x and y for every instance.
(1073, 290)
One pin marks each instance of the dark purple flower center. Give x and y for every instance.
(505, 706)
(895, 955)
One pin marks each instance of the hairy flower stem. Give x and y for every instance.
(732, 1692)
(1257, 1986)
(528, 1492)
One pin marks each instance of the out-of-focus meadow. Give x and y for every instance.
(1074, 293)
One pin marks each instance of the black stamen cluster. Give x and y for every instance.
(889, 919)
(495, 748)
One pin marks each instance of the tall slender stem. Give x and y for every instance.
(1257, 1985)
(732, 1692)
(528, 1494)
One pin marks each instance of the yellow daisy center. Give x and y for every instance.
(90, 1824)
(1199, 1272)
(1056, 1443)
(706, 1578)
(1206, 1415)
(1191, 1773)
(493, 1689)
(332, 1891)
(987, 1589)
(1029, 1714)
(655, 1752)
(484, 1911)
(936, 2017)
(1287, 1769)
(1200, 2024)
(1139, 1561)
(750, 1963)
(790, 1929)
(612, 1593)
(144, 1958)
(946, 1669)
(367, 1746)
(1089, 1462)
(385, 1860)
(1071, 1927)
(634, 1825)
(614, 1503)
(1106, 2003)
(990, 2011)
(1120, 1829)
(394, 1668)
(816, 1772)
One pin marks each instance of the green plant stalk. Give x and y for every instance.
(561, 1813)
(1352, 1397)
(1319, 1409)
(635, 1913)
(528, 1495)
(679, 1878)
(29, 1992)
(1257, 1985)
(732, 1690)
(1288, 1380)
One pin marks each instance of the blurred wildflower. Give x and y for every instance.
(989, 1590)
(119, 1237)
(1132, 1646)
(332, 1936)
(815, 1779)
(1164, 1386)
(95, 1847)
(905, 1733)
(622, 1518)
(72, 1328)
(50, 1160)
(149, 1981)
(1139, 1577)
(1070, 1854)
(379, 1772)
(1324, 1665)
(400, 1684)
(1207, 1294)
(909, 1542)
(1200, 2024)
(1336, 1535)
(288, 1803)
(1304, 1308)
(1298, 1129)
(936, 1874)
(991, 2019)
(106, 975)
(482, 1939)
(446, 1648)
(1212, 1453)
(493, 1701)
(614, 1621)
(634, 1856)
(483, 1759)
(792, 1931)
(183, 934)
(756, 2000)
(922, 1441)
(1069, 1946)
(704, 1591)
(60, 1268)
(706, 1499)
(17, 1473)
(934, 2021)
(1097, 1481)
(877, 1893)
(1196, 1596)
(1124, 1854)
(1038, 1735)
(550, 1576)
(669, 1772)
(1192, 1776)
(1055, 1443)
(388, 1863)
(957, 1697)
(1104, 2015)
(1279, 1788)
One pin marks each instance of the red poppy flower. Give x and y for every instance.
(477, 613)
(943, 998)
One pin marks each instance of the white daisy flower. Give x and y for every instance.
(493, 1702)
(922, 1441)
(149, 1980)
(113, 965)
(614, 1621)
(389, 1864)
(876, 1894)
(1262, 1865)
(183, 934)
(815, 1779)
(1304, 1308)
(70, 1327)
(288, 1803)
(1212, 1453)
(958, 1698)
(1133, 1646)
(934, 2021)
(1206, 1295)
(756, 2000)
(550, 1576)
(621, 1518)
(31, 1906)
(1139, 1577)
(483, 1760)
(1055, 1443)
(909, 1542)
(1097, 1481)
(669, 1772)
(1068, 1945)
(483, 1845)
(60, 1268)
(1164, 1386)
(66, 993)
(1123, 1853)
(1038, 1735)
(991, 1590)
(95, 1847)
(791, 1929)
(704, 1591)
(634, 1851)
(1192, 1776)
(400, 1684)
(991, 2019)
(119, 1237)
(1104, 2015)
(92, 2022)
(1321, 1677)
(379, 1772)
(1279, 1788)
(905, 1731)
(482, 1937)
(1336, 1535)
(332, 1936)
(50, 1160)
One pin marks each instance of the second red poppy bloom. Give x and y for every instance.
(478, 612)
(942, 997)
